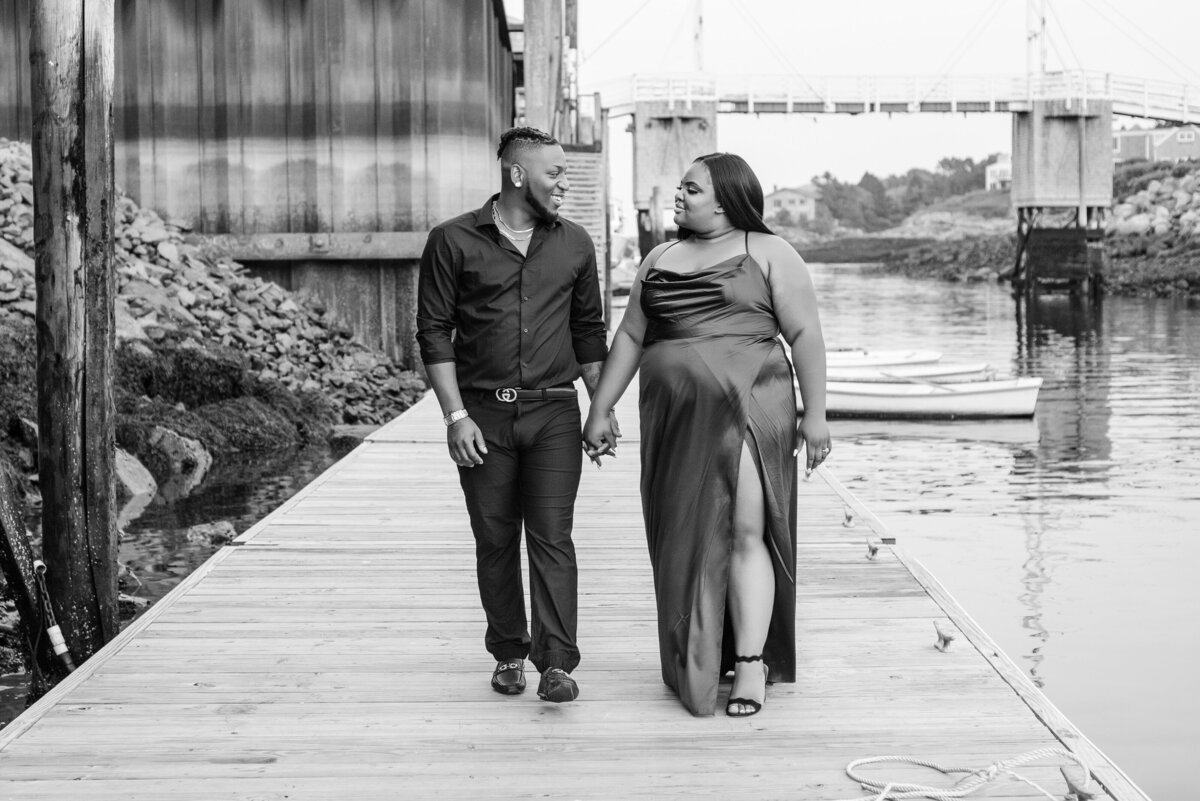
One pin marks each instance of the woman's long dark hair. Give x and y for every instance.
(737, 189)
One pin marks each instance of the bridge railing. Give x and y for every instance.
(815, 94)
(1162, 100)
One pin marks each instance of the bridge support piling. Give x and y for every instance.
(1062, 187)
(666, 139)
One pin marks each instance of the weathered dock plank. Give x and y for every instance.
(335, 651)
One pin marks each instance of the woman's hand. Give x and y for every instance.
(814, 432)
(600, 434)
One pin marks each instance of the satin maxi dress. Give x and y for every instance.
(714, 375)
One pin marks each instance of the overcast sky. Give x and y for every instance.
(1154, 39)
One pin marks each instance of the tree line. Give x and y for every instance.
(874, 203)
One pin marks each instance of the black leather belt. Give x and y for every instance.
(513, 394)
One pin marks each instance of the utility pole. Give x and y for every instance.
(697, 18)
(1035, 38)
(544, 30)
(72, 50)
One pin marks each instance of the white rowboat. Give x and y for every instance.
(900, 373)
(857, 357)
(1011, 397)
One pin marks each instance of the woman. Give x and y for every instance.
(719, 433)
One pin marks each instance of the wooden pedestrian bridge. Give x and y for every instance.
(335, 651)
(1165, 101)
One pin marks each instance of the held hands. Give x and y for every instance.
(600, 435)
(465, 442)
(817, 442)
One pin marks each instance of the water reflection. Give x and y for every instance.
(1059, 337)
(1072, 546)
(1036, 577)
(160, 547)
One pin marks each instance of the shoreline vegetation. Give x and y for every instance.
(1152, 236)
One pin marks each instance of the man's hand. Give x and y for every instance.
(466, 444)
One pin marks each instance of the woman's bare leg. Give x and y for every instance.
(751, 583)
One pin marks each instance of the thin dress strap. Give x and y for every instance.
(768, 275)
(651, 264)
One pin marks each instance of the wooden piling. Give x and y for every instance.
(544, 65)
(71, 46)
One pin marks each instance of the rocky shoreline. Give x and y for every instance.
(210, 362)
(1152, 237)
(1129, 269)
(223, 359)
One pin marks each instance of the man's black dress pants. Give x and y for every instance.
(529, 475)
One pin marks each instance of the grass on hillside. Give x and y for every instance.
(990, 203)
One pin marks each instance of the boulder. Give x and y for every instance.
(14, 259)
(127, 327)
(1123, 211)
(168, 251)
(346, 438)
(180, 463)
(219, 532)
(133, 479)
(1135, 225)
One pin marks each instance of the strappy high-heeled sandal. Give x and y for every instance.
(755, 706)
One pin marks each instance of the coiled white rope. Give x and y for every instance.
(974, 780)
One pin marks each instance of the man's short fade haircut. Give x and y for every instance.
(516, 139)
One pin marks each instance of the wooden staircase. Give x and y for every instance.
(587, 202)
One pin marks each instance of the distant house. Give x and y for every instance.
(799, 202)
(998, 175)
(1157, 144)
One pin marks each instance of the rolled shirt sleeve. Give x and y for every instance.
(589, 337)
(437, 299)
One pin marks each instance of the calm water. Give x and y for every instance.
(1070, 538)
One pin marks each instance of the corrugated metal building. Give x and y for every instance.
(316, 140)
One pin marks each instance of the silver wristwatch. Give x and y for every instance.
(454, 416)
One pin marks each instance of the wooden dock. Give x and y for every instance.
(335, 651)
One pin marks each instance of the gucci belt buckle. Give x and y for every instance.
(506, 394)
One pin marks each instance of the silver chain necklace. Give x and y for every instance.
(512, 233)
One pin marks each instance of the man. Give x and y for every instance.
(508, 316)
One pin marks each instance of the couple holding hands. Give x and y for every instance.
(509, 316)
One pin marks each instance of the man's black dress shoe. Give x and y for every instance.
(509, 677)
(557, 686)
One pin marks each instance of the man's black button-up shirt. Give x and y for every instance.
(504, 319)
